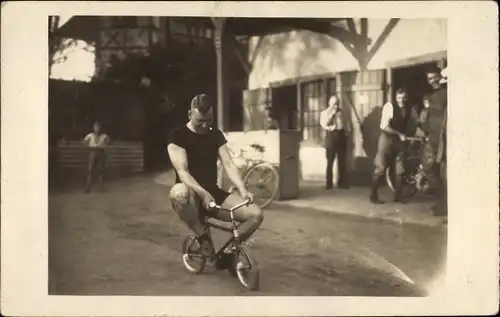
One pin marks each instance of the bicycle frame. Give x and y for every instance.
(420, 173)
(232, 229)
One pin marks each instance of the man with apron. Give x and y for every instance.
(395, 124)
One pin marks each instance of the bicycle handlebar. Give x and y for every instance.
(213, 205)
(416, 139)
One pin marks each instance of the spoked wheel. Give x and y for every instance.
(263, 181)
(192, 259)
(410, 186)
(246, 268)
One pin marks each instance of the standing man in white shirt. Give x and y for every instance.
(332, 120)
(97, 143)
(395, 125)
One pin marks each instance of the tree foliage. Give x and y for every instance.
(59, 48)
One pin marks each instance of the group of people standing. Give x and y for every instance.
(399, 121)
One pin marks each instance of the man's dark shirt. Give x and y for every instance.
(436, 113)
(202, 153)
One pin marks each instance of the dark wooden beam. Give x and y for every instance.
(351, 25)
(381, 39)
(240, 55)
(80, 27)
(364, 27)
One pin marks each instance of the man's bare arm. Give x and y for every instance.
(86, 140)
(330, 117)
(178, 158)
(394, 132)
(386, 117)
(232, 171)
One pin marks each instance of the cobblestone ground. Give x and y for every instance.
(126, 241)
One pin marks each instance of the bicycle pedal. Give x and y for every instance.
(213, 262)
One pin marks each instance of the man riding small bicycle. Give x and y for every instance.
(194, 149)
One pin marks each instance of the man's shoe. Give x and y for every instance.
(328, 187)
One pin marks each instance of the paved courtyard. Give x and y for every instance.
(126, 241)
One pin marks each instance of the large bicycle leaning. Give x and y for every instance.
(259, 176)
(414, 179)
(233, 256)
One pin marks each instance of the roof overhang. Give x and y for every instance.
(87, 27)
(80, 27)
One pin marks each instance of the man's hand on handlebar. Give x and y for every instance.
(245, 194)
(214, 206)
(207, 200)
(416, 139)
(402, 137)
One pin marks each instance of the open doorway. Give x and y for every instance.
(414, 79)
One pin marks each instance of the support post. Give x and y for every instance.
(222, 89)
(388, 85)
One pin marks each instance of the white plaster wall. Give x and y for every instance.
(304, 53)
(268, 139)
(312, 158)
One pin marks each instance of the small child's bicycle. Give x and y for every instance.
(232, 256)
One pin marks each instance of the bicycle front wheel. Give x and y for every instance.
(246, 268)
(409, 178)
(263, 181)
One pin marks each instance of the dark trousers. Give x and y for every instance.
(96, 161)
(389, 155)
(436, 175)
(336, 147)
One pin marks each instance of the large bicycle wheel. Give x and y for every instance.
(246, 268)
(192, 259)
(262, 180)
(409, 182)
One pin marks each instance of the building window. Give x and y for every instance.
(193, 31)
(314, 101)
(208, 33)
(177, 27)
(125, 21)
(107, 21)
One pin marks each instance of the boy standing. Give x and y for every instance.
(97, 143)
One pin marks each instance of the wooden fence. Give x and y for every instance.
(121, 157)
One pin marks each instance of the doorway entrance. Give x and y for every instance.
(414, 79)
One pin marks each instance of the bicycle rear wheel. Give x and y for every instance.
(263, 181)
(246, 268)
(409, 180)
(192, 259)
